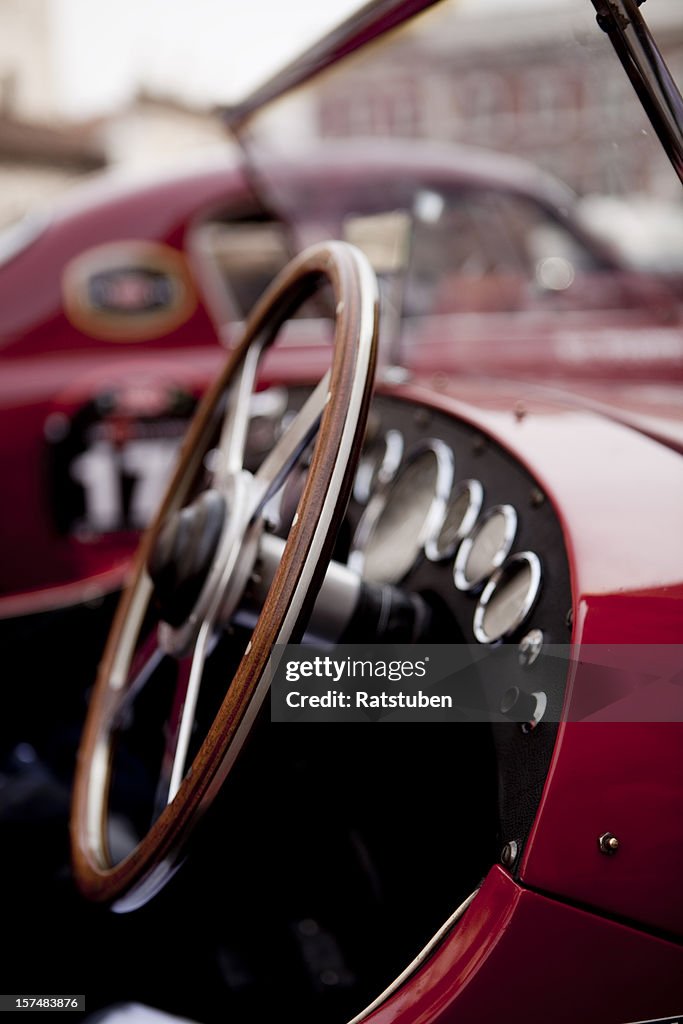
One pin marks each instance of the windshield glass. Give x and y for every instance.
(493, 160)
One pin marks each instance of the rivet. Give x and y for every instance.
(520, 411)
(537, 497)
(608, 843)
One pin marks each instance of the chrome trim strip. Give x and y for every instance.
(415, 964)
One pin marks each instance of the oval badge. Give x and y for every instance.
(128, 291)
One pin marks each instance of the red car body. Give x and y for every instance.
(53, 367)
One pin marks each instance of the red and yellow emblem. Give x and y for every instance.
(128, 291)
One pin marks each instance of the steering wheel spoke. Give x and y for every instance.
(283, 456)
(146, 661)
(228, 457)
(183, 714)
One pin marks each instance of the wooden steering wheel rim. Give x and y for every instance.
(145, 870)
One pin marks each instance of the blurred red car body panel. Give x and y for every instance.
(51, 367)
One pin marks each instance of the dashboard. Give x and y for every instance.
(440, 510)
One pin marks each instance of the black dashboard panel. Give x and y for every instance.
(523, 754)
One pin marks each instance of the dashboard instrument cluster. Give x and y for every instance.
(441, 510)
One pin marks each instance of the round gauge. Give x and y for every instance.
(464, 506)
(486, 548)
(399, 520)
(508, 597)
(377, 465)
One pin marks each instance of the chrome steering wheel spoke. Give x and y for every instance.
(229, 454)
(283, 456)
(182, 720)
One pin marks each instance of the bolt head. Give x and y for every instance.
(509, 853)
(608, 843)
(530, 646)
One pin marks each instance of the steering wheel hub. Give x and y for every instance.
(183, 553)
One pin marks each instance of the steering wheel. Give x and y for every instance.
(194, 562)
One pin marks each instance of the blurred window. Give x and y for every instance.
(480, 251)
(248, 255)
(462, 256)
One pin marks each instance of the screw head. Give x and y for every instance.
(509, 853)
(608, 843)
(530, 646)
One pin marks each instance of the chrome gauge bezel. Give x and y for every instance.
(435, 550)
(380, 500)
(384, 470)
(498, 579)
(459, 575)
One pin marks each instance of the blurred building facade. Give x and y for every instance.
(42, 154)
(545, 85)
(39, 161)
(26, 59)
(38, 158)
(520, 84)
